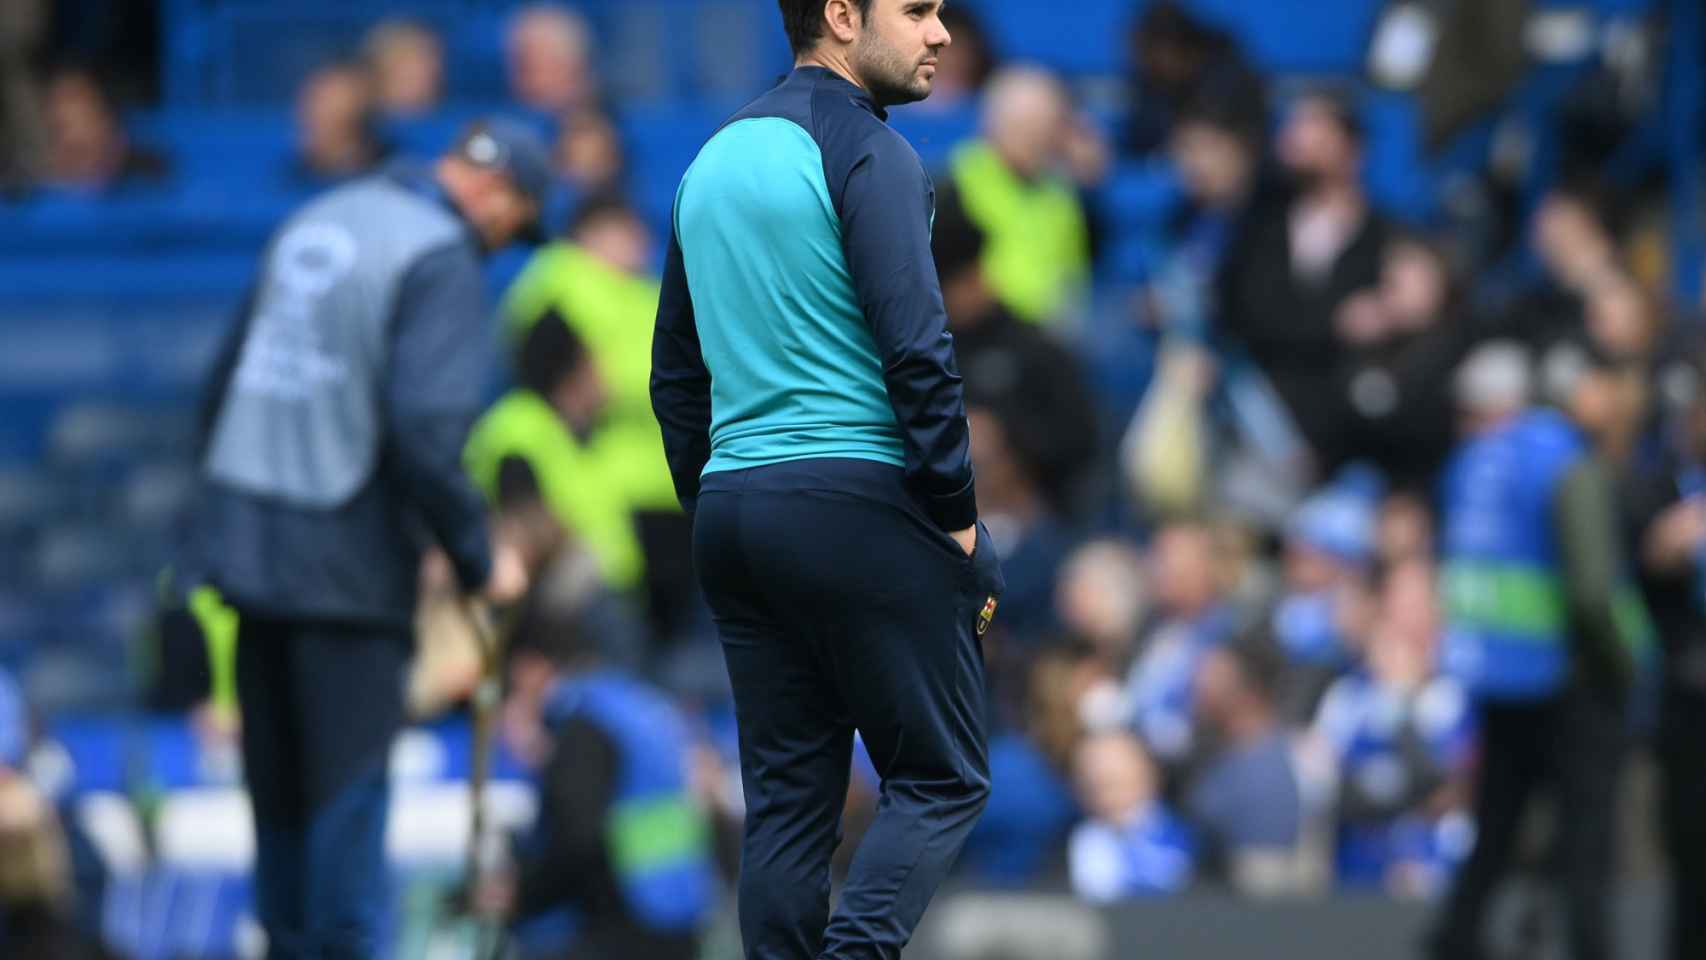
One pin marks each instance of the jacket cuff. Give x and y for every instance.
(954, 511)
(473, 562)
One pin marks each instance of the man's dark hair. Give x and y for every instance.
(803, 19)
(1228, 102)
(1259, 662)
(603, 205)
(551, 352)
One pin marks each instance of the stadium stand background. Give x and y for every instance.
(110, 307)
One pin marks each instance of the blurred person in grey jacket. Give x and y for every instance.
(332, 458)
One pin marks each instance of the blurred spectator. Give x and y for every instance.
(1066, 688)
(1241, 561)
(1191, 619)
(1401, 738)
(23, 138)
(1605, 393)
(35, 879)
(1029, 535)
(88, 151)
(37, 910)
(1165, 456)
(1037, 258)
(1543, 632)
(609, 229)
(1060, 701)
(1288, 274)
(1179, 452)
(1131, 845)
(1036, 387)
(589, 153)
(620, 839)
(1461, 61)
(1218, 145)
(1621, 319)
(1330, 543)
(125, 37)
(1179, 59)
(533, 446)
(1248, 802)
(1405, 528)
(965, 65)
(1102, 597)
(590, 163)
(1405, 338)
(598, 281)
(406, 59)
(337, 129)
(1577, 255)
(549, 54)
(1668, 508)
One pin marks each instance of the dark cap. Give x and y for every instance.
(517, 151)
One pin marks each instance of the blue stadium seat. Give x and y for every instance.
(123, 280)
(28, 496)
(1084, 38)
(1298, 36)
(428, 136)
(20, 623)
(98, 432)
(155, 494)
(72, 555)
(165, 913)
(1136, 203)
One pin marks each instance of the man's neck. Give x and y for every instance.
(835, 61)
(1341, 197)
(1249, 726)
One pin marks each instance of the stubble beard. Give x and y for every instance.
(893, 79)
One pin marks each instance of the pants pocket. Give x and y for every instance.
(986, 564)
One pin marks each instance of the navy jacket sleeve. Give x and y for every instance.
(886, 210)
(440, 358)
(681, 385)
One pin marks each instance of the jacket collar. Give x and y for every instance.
(828, 79)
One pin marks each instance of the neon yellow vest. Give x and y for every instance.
(613, 313)
(1037, 254)
(579, 488)
(218, 622)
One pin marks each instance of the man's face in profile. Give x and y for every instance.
(895, 56)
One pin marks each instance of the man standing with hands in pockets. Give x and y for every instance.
(814, 422)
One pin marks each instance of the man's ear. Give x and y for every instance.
(844, 20)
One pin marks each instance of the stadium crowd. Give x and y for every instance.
(1220, 494)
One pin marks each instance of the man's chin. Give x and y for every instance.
(918, 90)
(900, 96)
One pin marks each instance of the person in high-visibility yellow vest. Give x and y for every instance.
(532, 446)
(1038, 253)
(596, 280)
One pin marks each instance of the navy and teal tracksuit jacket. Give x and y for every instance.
(802, 370)
(805, 223)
